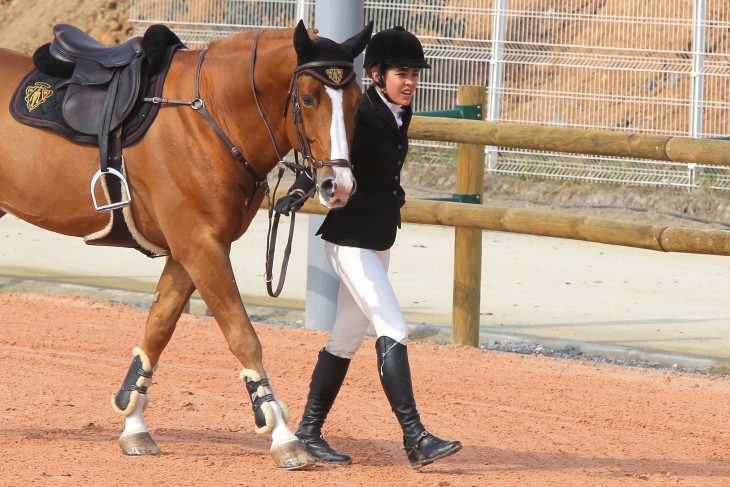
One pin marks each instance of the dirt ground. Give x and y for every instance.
(524, 420)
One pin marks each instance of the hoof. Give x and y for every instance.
(138, 444)
(291, 456)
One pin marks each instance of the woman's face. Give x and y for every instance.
(400, 83)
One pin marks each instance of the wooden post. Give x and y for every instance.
(468, 241)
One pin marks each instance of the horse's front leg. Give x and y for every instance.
(173, 292)
(210, 268)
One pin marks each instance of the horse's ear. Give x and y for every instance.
(355, 44)
(303, 45)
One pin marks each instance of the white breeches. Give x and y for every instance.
(365, 296)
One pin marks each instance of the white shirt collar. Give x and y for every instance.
(397, 110)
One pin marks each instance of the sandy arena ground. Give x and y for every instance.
(524, 420)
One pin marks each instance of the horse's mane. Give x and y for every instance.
(268, 34)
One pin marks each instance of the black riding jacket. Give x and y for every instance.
(371, 217)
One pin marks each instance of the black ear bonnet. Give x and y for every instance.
(326, 60)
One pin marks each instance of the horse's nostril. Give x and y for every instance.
(328, 187)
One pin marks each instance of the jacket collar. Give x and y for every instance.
(385, 112)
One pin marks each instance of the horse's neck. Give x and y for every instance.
(231, 94)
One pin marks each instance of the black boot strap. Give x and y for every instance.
(256, 400)
(143, 373)
(135, 387)
(251, 385)
(306, 441)
(420, 438)
(132, 386)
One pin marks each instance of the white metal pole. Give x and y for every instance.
(698, 67)
(496, 72)
(337, 20)
(303, 11)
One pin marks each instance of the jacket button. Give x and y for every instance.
(400, 146)
(395, 193)
(400, 162)
(397, 178)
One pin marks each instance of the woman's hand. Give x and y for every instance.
(291, 202)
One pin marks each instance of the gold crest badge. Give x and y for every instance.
(335, 74)
(37, 94)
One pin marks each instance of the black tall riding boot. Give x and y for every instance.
(395, 375)
(328, 375)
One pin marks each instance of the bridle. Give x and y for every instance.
(293, 96)
(292, 99)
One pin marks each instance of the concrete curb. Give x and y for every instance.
(592, 352)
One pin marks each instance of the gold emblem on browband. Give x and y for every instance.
(37, 94)
(335, 74)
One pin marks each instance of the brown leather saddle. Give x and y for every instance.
(100, 94)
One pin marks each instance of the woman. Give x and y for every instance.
(358, 238)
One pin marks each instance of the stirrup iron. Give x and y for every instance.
(122, 179)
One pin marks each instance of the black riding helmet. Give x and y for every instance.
(395, 47)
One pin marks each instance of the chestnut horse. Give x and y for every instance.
(190, 196)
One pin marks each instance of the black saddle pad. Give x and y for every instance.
(38, 101)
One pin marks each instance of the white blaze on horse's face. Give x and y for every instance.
(342, 184)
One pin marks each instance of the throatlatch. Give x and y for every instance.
(260, 401)
(135, 383)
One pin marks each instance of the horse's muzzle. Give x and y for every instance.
(336, 188)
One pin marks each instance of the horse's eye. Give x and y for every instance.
(307, 100)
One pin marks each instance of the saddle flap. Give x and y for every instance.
(130, 82)
(89, 73)
(86, 105)
(82, 108)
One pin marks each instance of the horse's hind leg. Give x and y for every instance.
(173, 291)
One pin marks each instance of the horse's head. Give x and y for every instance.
(325, 97)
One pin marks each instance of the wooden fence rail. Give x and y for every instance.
(470, 219)
(559, 225)
(572, 140)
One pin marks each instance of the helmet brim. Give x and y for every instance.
(402, 63)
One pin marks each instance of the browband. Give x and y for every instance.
(335, 74)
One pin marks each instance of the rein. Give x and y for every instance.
(292, 98)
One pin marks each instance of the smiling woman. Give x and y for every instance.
(358, 238)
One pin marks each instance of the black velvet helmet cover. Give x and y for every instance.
(395, 47)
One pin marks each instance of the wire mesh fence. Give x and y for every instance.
(660, 67)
